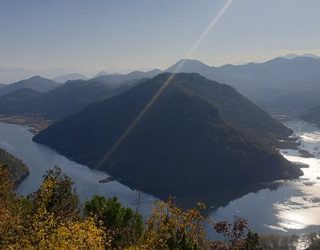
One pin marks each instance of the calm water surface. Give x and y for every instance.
(285, 207)
(18, 141)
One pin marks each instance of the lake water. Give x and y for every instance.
(283, 207)
(17, 140)
(287, 207)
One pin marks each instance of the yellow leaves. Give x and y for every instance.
(170, 227)
(77, 235)
(32, 224)
(47, 233)
(6, 185)
(46, 191)
(49, 219)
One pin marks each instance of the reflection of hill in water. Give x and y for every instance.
(222, 197)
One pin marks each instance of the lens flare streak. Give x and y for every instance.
(167, 82)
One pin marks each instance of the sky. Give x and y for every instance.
(118, 35)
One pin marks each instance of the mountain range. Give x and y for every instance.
(198, 136)
(132, 76)
(9, 75)
(70, 77)
(292, 56)
(28, 101)
(288, 84)
(279, 85)
(60, 102)
(101, 73)
(36, 83)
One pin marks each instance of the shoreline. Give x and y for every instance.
(34, 124)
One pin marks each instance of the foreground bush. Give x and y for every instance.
(47, 219)
(169, 227)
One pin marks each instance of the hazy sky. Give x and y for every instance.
(92, 35)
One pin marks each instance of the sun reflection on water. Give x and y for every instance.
(300, 212)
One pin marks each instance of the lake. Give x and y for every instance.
(17, 140)
(282, 207)
(286, 207)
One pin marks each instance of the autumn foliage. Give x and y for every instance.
(53, 218)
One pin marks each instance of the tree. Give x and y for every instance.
(82, 234)
(170, 227)
(56, 196)
(6, 183)
(48, 219)
(123, 223)
(237, 236)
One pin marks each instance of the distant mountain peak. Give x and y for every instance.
(311, 55)
(37, 77)
(294, 56)
(115, 79)
(191, 61)
(70, 77)
(188, 65)
(37, 83)
(290, 56)
(101, 73)
(187, 60)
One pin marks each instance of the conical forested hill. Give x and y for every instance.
(198, 136)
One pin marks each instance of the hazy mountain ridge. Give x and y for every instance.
(37, 83)
(60, 102)
(278, 85)
(101, 73)
(70, 97)
(183, 140)
(281, 85)
(132, 76)
(70, 77)
(292, 56)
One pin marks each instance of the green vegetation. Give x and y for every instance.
(51, 218)
(126, 225)
(18, 170)
(197, 137)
